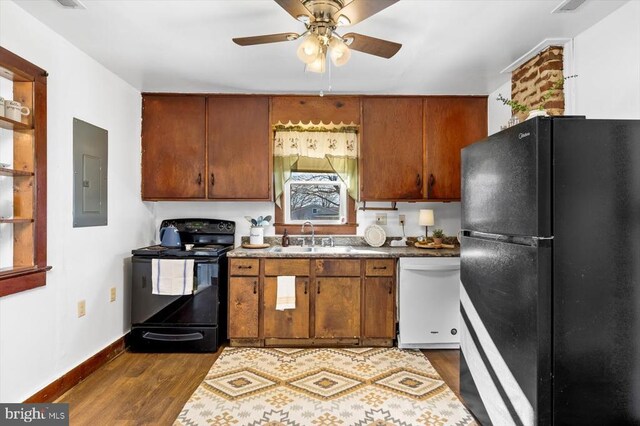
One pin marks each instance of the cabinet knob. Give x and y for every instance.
(432, 181)
(213, 179)
(418, 180)
(305, 287)
(318, 287)
(379, 267)
(255, 287)
(199, 180)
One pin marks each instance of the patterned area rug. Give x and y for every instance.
(355, 386)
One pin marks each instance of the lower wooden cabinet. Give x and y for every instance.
(243, 307)
(337, 307)
(290, 323)
(379, 307)
(339, 302)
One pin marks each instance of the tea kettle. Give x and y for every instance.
(169, 237)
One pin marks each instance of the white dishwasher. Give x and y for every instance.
(429, 302)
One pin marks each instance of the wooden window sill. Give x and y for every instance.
(15, 280)
(346, 229)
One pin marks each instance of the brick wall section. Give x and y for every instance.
(532, 79)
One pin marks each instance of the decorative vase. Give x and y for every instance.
(256, 235)
(537, 113)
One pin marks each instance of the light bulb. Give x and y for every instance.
(340, 53)
(318, 65)
(309, 49)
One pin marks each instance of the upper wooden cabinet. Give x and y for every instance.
(173, 147)
(238, 147)
(316, 109)
(451, 123)
(197, 147)
(391, 149)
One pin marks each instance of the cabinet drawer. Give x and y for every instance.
(337, 268)
(380, 267)
(297, 267)
(244, 267)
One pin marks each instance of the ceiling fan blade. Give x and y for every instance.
(359, 10)
(372, 45)
(295, 8)
(264, 39)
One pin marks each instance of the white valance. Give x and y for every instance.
(315, 144)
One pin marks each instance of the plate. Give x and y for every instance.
(375, 236)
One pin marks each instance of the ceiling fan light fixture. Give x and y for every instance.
(340, 53)
(305, 19)
(318, 65)
(309, 49)
(343, 21)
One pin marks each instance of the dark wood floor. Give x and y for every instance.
(150, 389)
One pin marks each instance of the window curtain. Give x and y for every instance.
(338, 147)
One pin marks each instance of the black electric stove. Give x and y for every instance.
(189, 323)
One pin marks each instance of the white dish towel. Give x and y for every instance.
(286, 293)
(172, 276)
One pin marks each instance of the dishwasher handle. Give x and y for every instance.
(430, 268)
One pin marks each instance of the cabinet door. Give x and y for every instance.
(243, 307)
(238, 144)
(391, 150)
(290, 323)
(451, 124)
(337, 307)
(379, 318)
(173, 147)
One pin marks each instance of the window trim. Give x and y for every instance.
(342, 209)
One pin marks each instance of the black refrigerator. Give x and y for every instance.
(550, 271)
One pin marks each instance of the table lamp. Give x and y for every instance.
(426, 220)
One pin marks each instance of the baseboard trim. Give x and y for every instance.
(57, 388)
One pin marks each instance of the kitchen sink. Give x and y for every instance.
(319, 249)
(323, 250)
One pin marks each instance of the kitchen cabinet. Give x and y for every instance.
(452, 122)
(379, 299)
(243, 307)
(337, 307)
(391, 149)
(206, 147)
(238, 144)
(173, 147)
(334, 306)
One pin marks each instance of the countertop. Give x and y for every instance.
(361, 251)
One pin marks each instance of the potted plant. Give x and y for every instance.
(539, 111)
(256, 233)
(438, 235)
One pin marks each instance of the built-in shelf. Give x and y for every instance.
(12, 172)
(15, 220)
(9, 124)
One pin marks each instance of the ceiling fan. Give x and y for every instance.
(321, 19)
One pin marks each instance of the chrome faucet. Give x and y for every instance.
(313, 232)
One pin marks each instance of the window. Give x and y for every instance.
(315, 196)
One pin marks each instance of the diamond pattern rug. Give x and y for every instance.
(350, 386)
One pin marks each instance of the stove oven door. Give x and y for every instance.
(189, 323)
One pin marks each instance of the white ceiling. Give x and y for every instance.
(449, 46)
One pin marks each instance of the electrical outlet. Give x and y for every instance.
(112, 294)
(381, 219)
(82, 308)
(401, 219)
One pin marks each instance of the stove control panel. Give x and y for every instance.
(201, 226)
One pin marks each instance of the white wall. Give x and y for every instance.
(40, 334)
(447, 215)
(606, 58)
(498, 114)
